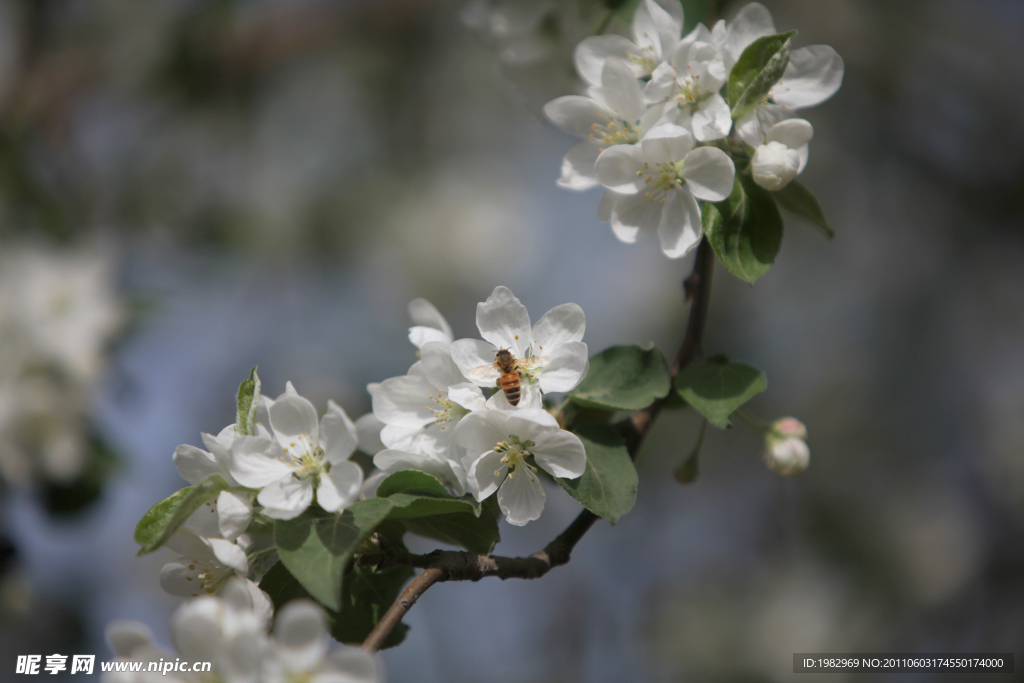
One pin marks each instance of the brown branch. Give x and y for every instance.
(450, 565)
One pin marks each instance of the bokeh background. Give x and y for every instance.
(194, 187)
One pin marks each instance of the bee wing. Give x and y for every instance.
(483, 373)
(532, 363)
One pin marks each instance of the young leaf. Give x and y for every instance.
(418, 494)
(248, 401)
(760, 67)
(689, 468)
(164, 518)
(795, 197)
(608, 486)
(745, 230)
(717, 388)
(628, 377)
(316, 546)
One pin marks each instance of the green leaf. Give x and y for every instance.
(759, 68)
(366, 597)
(608, 486)
(717, 388)
(477, 534)
(248, 401)
(417, 494)
(745, 230)
(164, 518)
(316, 546)
(795, 197)
(626, 377)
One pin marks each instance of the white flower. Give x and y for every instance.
(783, 155)
(656, 31)
(205, 565)
(550, 355)
(652, 187)
(689, 87)
(301, 651)
(132, 641)
(301, 456)
(498, 444)
(786, 450)
(228, 514)
(428, 324)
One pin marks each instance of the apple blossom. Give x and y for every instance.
(553, 355)
(498, 444)
(301, 456)
(786, 450)
(656, 31)
(654, 186)
(685, 90)
(783, 155)
(428, 324)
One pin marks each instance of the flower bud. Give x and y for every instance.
(774, 165)
(786, 450)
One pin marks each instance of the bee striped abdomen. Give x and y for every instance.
(510, 385)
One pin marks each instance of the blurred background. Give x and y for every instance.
(189, 188)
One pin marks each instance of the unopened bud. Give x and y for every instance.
(786, 450)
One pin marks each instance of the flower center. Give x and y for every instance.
(210, 576)
(689, 94)
(307, 457)
(614, 132)
(646, 60)
(514, 455)
(661, 178)
(446, 410)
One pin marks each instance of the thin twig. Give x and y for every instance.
(450, 565)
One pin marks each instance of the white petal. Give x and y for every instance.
(287, 498)
(521, 497)
(620, 90)
(467, 395)
(404, 401)
(426, 316)
(814, 74)
(194, 464)
(301, 632)
(480, 432)
(473, 354)
(793, 133)
(486, 473)
(349, 665)
(713, 120)
(338, 436)
(680, 56)
(618, 166)
(124, 635)
(256, 462)
(579, 167)
(709, 173)
(262, 605)
(566, 367)
(662, 84)
(234, 512)
(180, 577)
(368, 430)
(229, 554)
(592, 53)
(195, 629)
(576, 114)
(291, 416)
(503, 321)
(680, 229)
(561, 453)
(749, 130)
(530, 424)
(187, 542)
(340, 487)
(438, 366)
(391, 461)
(654, 27)
(774, 165)
(752, 22)
(666, 143)
(635, 217)
(419, 336)
(561, 324)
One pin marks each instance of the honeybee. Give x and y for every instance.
(511, 372)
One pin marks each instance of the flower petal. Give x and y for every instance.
(257, 462)
(180, 577)
(592, 53)
(301, 633)
(124, 635)
(713, 120)
(576, 114)
(287, 498)
(340, 487)
(752, 22)
(561, 453)
(521, 497)
(338, 435)
(475, 360)
(428, 322)
(403, 401)
(530, 424)
(480, 432)
(194, 464)
(292, 415)
(793, 133)
(196, 629)
(666, 143)
(229, 554)
(486, 472)
(680, 229)
(368, 430)
(618, 168)
(438, 366)
(654, 27)
(566, 367)
(503, 321)
(349, 665)
(187, 542)
(579, 167)
(814, 74)
(635, 217)
(448, 473)
(709, 173)
(620, 91)
(561, 324)
(467, 395)
(234, 512)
